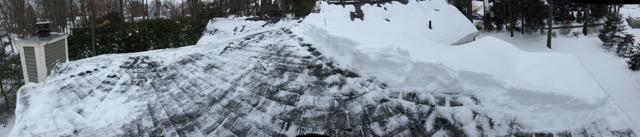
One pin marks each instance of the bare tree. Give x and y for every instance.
(137, 9)
(56, 12)
(193, 7)
(92, 15)
(121, 4)
(19, 16)
(158, 8)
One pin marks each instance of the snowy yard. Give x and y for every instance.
(610, 72)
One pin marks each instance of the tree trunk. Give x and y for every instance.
(182, 8)
(84, 13)
(470, 10)
(484, 7)
(511, 18)
(586, 15)
(132, 11)
(121, 2)
(72, 15)
(93, 27)
(522, 25)
(146, 11)
(550, 22)
(158, 8)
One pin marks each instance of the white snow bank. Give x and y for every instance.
(605, 67)
(551, 72)
(407, 33)
(518, 89)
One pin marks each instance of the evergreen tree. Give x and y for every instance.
(499, 10)
(611, 33)
(562, 11)
(597, 11)
(625, 46)
(10, 77)
(634, 62)
(487, 23)
(534, 13)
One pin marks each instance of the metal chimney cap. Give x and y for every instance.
(43, 29)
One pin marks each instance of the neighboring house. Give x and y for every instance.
(634, 21)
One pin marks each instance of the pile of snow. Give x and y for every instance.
(406, 33)
(608, 70)
(540, 108)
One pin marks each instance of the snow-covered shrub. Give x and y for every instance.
(625, 47)
(634, 62)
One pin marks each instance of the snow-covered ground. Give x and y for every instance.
(329, 75)
(5, 129)
(610, 72)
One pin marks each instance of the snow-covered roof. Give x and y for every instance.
(409, 21)
(253, 78)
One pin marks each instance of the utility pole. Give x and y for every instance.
(550, 22)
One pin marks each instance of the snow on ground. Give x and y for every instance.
(5, 129)
(609, 71)
(618, 82)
